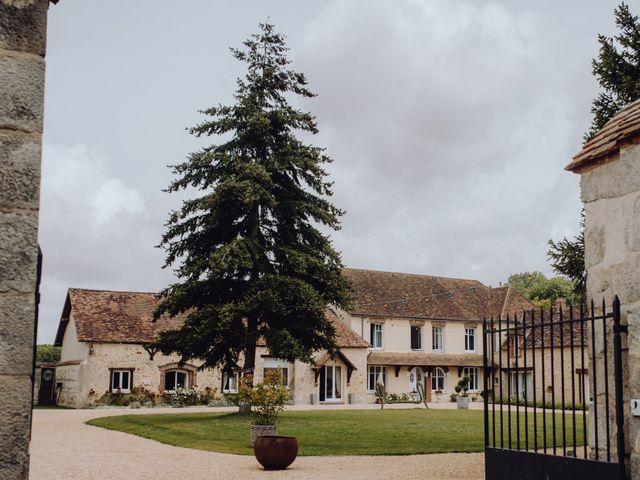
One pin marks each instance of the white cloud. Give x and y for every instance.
(96, 230)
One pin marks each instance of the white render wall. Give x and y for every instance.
(397, 333)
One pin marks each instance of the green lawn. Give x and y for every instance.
(331, 432)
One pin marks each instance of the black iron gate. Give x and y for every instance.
(550, 377)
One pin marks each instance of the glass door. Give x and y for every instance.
(332, 383)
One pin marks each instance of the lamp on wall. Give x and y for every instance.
(91, 350)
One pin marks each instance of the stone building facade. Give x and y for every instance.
(104, 335)
(609, 165)
(22, 49)
(414, 333)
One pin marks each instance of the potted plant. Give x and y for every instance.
(267, 400)
(461, 389)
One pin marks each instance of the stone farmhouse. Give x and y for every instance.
(554, 354)
(408, 331)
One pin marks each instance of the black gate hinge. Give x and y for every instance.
(621, 328)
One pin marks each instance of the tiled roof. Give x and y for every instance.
(417, 359)
(554, 334)
(394, 294)
(622, 129)
(126, 317)
(119, 317)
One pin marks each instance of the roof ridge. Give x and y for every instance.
(421, 275)
(102, 290)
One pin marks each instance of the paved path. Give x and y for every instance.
(64, 448)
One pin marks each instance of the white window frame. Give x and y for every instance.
(468, 334)
(277, 364)
(226, 382)
(377, 328)
(335, 381)
(175, 372)
(119, 388)
(411, 327)
(474, 379)
(438, 373)
(437, 331)
(377, 371)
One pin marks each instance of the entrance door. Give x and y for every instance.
(330, 383)
(45, 394)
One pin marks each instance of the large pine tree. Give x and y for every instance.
(617, 69)
(251, 261)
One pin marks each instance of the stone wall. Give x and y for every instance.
(22, 49)
(611, 196)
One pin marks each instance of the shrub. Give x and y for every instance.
(381, 395)
(120, 399)
(135, 404)
(462, 387)
(267, 398)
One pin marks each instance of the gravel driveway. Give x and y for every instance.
(64, 448)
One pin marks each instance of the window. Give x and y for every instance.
(437, 379)
(515, 344)
(230, 382)
(416, 338)
(278, 367)
(175, 379)
(376, 335)
(472, 373)
(121, 381)
(469, 339)
(376, 375)
(332, 382)
(437, 340)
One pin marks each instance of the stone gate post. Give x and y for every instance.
(22, 48)
(609, 166)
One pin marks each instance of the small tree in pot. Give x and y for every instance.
(267, 400)
(461, 389)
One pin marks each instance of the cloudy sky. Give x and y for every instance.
(450, 122)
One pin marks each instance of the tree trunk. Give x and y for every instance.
(249, 360)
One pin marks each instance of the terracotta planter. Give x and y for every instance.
(276, 453)
(262, 430)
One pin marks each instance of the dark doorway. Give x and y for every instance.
(47, 381)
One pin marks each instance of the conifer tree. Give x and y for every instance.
(617, 69)
(251, 261)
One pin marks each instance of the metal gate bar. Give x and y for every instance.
(527, 342)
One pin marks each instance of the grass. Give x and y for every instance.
(346, 432)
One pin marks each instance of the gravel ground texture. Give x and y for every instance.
(63, 447)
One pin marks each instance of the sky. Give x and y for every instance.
(449, 123)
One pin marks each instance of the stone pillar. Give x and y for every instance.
(609, 166)
(22, 49)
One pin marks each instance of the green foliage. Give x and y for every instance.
(542, 291)
(46, 353)
(138, 395)
(267, 399)
(381, 395)
(617, 69)
(341, 432)
(462, 387)
(248, 253)
(567, 258)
